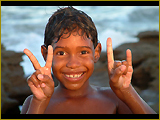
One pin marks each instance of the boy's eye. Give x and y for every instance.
(84, 52)
(61, 53)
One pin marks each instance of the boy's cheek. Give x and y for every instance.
(56, 65)
(87, 62)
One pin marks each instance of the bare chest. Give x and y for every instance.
(81, 106)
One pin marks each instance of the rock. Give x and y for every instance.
(146, 35)
(150, 37)
(14, 86)
(100, 73)
(151, 97)
(6, 102)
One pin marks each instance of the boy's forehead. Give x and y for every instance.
(73, 40)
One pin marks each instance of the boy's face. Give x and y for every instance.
(73, 61)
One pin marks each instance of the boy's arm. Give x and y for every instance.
(26, 105)
(136, 104)
(120, 74)
(32, 106)
(41, 85)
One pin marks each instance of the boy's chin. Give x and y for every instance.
(73, 86)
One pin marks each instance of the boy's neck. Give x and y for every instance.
(81, 92)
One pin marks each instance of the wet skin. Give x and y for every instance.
(72, 62)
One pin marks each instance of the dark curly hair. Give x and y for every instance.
(66, 21)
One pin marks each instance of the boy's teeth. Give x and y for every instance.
(74, 76)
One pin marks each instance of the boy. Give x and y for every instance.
(70, 49)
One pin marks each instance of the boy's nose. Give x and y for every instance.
(73, 62)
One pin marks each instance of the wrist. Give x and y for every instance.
(135, 102)
(38, 106)
(124, 93)
(126, 90)
(45, 99)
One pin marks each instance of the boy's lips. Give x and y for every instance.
(73, 76)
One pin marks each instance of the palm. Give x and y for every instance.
(45, 88)
(123, 81)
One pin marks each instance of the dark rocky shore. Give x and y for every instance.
(14, 88)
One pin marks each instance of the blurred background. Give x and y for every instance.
(134, 27)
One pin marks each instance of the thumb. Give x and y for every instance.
(45, 79)
(117, 73)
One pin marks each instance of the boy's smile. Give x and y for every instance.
(73, 61)
(73, 76)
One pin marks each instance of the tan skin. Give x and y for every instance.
(75, 56)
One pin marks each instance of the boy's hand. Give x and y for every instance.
(41, 82)
(120, 73)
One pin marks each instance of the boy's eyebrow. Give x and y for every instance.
(68, 48)
(85, 47)
(58, 47)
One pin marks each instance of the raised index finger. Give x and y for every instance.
(110, 57)
(49, 57)
(32, 58)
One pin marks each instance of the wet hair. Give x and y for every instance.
(66, 21)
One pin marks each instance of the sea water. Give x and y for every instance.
(23, 26)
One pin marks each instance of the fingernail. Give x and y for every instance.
(38, 86)
(123, 67)
(49, 46)
(47, 69)
(40, 76)
(43, 85)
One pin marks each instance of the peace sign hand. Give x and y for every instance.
(41, 82)
(120, 73)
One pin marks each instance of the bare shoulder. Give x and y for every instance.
(26, 104)
(107, 92)
(122, 108)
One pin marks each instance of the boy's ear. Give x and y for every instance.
(97, 52)
(44, 52)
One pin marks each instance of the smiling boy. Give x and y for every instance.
(70, 49)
